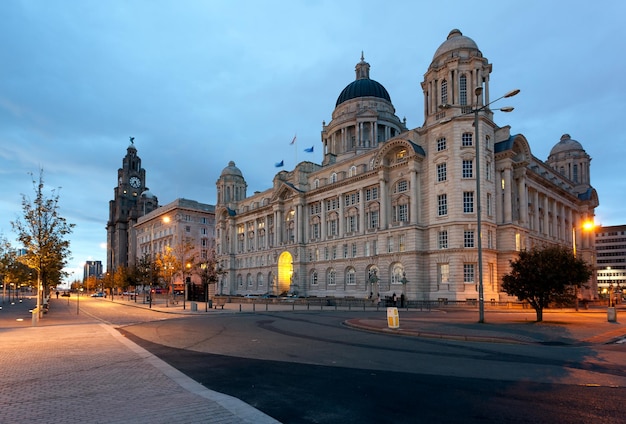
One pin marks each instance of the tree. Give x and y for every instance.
(12, 271)
(91, 283)
(544, 276)
(42, 231)
(209, 270)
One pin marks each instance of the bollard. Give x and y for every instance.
(35, 313)
(393, 320)
(611, 314)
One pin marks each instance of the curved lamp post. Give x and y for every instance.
(475, 110)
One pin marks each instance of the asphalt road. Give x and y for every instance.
(306, 367)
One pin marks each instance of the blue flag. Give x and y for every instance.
(309, 150)
(279, 164)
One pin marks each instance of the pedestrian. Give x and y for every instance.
(394, 298)
(57, 294)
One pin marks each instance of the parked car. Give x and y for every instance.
(66, 294)
(99, 294)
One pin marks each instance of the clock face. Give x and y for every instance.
(135, 182)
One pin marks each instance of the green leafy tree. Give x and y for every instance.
(43, 231)
(12, 270)
(209, 271)
(545, 276)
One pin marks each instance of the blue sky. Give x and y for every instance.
(200, 83)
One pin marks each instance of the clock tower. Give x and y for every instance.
(131, 199)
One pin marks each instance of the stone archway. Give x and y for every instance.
(285, 272)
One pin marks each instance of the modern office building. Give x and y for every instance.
(131, 199)
(92, 269)
(394, 210)
(611, 259)
(185, 226)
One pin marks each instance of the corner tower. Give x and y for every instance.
(457, 69)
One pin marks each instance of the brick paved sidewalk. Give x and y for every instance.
(87, 372)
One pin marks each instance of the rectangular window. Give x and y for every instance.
(315, 230)
(441, 144)
(389, 244)
(488, 171)
(442, 239)
(351, 224)
(442, 172)
(345, 251)
(371, 193)
(468, 201)
(372, 219)
(351, 199)
(374, 247)
(332, 227)
(401, 213)
(354, 250)
(490, 239)
(468, 238)
(334, 252)
(442, 204)
(443, 273)
(467, 140)
(401, 245)
(468, 168)
(468, 273)
(316, 208)
(489, 205)
(367, 248)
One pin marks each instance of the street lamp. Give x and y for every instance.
(478, 91)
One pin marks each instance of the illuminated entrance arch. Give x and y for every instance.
(285, 271)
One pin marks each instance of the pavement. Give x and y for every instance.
(75, 369)
(71, 368)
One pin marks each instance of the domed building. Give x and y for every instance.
(392, 210)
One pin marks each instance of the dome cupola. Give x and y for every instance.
(363, 86)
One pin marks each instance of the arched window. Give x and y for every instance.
(396, 274)
(316, 183)
(333, 178)
(259, 279)
(239, 280)
(352, 171)
(314, 278)
(331, 277)
(350, 276)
